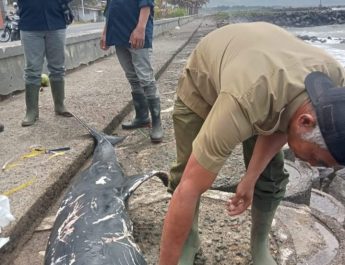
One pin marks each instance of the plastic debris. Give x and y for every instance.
(20, 187)
(56, 154)
(3, 241)
(5, 217)
(34, 151)
(9, 165)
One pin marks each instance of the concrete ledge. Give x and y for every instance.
(164, 25)
(81, 49)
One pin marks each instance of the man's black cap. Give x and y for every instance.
(329, 105)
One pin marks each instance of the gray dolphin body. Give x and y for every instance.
(92, 226)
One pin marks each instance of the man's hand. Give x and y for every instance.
(266, 147)
(102, 43)
(137, 38)
(243, 197)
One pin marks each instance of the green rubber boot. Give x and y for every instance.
(58, 92)
(156, 133)
(259, 242)
(141, 108)
(192, 244)
(1, 127)
(31, 100)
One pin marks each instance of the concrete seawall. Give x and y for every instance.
(81, 49)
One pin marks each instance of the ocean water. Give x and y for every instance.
(330, 38)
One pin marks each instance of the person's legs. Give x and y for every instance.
(269, 191)
(34, 52)
(187, 124)
(141, 59)
(1, 127)
(139, 100)
(55, 53)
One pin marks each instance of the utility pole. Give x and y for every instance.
(82, 8)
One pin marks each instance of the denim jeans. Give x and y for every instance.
(137, 66)
(43, 44)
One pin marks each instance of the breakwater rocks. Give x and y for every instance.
(295, 17)
(328, 39)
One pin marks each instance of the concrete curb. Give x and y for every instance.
(81, 49)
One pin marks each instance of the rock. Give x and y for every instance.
(337, 187)
(299, 17)
(300, 182)
(327, 205)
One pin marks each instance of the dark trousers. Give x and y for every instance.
(271, 185)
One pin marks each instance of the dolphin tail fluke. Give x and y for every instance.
(135, 181)
(114, 140)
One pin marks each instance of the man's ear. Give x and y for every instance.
(306, 120)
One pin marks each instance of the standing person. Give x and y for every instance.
(43, 33)
(255, 84)
(129, 27)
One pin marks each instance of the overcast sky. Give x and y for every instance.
(213, 3)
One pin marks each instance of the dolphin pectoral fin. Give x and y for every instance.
(133, 182)
(163, 176)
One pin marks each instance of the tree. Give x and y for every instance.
(192, 5)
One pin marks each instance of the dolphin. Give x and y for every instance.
(92, 225)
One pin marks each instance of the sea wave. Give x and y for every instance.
(331, 38)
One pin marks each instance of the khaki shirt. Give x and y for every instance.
(247, 79)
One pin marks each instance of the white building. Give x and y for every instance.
(88, 14)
